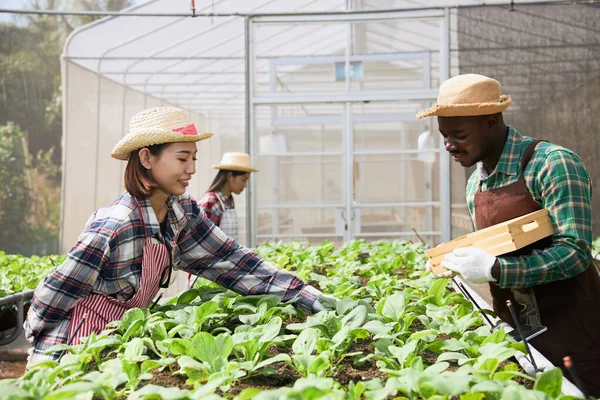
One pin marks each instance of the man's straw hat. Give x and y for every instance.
(157, 126)
(468, 95)
(235, 162)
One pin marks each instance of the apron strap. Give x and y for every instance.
(529, 153)
(165, 278)
(220, 201)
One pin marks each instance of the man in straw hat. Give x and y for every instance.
(232, 177)
(128, 249)
(553, 282)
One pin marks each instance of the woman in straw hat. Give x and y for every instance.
(218, 204)
(553, 282)
(127, 250)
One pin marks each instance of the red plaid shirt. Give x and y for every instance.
(107, 259)
(212, 207)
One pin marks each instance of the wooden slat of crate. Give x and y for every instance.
(498, 239)
(507, 226)
(494, 244)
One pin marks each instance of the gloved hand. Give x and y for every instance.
(473, 264)
(323, 303)
(446, 274)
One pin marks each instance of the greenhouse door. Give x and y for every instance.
(340, 152)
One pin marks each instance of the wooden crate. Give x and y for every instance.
(498, 239)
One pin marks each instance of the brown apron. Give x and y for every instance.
(569, 308)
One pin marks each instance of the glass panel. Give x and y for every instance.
(384, 126)
(299, 180)
(394, 178)
(375, 223)
(301, 221)
(299, 129)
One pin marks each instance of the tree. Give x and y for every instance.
(31, 121)
(15, 198)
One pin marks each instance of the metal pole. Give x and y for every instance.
(349, 137)
(445, 176)
(291, 14)
(63, 161)
(249, 134)
(275, 160)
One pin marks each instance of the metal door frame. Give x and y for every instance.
(347, 99)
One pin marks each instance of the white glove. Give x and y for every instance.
(473, 264)
(445, 274)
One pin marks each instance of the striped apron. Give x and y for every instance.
(229, 221)
(101, 309)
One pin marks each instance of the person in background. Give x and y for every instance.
(128, 249)
(218, 203)
(554, 281)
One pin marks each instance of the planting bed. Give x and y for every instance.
(395, 333)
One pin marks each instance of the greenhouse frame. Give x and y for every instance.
(323, 95)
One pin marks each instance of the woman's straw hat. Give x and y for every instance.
(157, 126)
(468, 95)
(235, 162)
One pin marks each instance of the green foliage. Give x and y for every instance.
(15, 198)
(423, 341)
(18, 273)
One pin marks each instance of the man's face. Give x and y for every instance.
(465, 138)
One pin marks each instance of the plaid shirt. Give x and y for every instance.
(212, 207)
(558, 182)
(107, 259)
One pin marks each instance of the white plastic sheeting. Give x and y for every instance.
(118, 66)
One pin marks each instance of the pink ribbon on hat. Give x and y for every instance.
(187, 130)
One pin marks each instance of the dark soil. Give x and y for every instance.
(168, 379)
(402, 273)
(521, 381)
(429, 357)
(418, 325)
(347, 371)
(364, 281)
(282, 375)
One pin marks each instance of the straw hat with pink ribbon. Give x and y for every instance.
(468, 95)
(157, 126)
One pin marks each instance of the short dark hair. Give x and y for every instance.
(138, 181)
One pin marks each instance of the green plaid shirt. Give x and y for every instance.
(558, 182)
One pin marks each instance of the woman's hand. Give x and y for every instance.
(323, 303)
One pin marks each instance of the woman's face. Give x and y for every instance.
(173, 168)
(238, 183)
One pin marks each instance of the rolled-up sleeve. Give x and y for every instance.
(564, 188)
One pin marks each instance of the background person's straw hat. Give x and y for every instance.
(157, 126)
(235, 162)
(468, 95)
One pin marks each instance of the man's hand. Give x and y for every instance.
(323, 303)
(473, 264)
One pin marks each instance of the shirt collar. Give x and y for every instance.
(508, 164)
(175, 214)
(226, 200)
